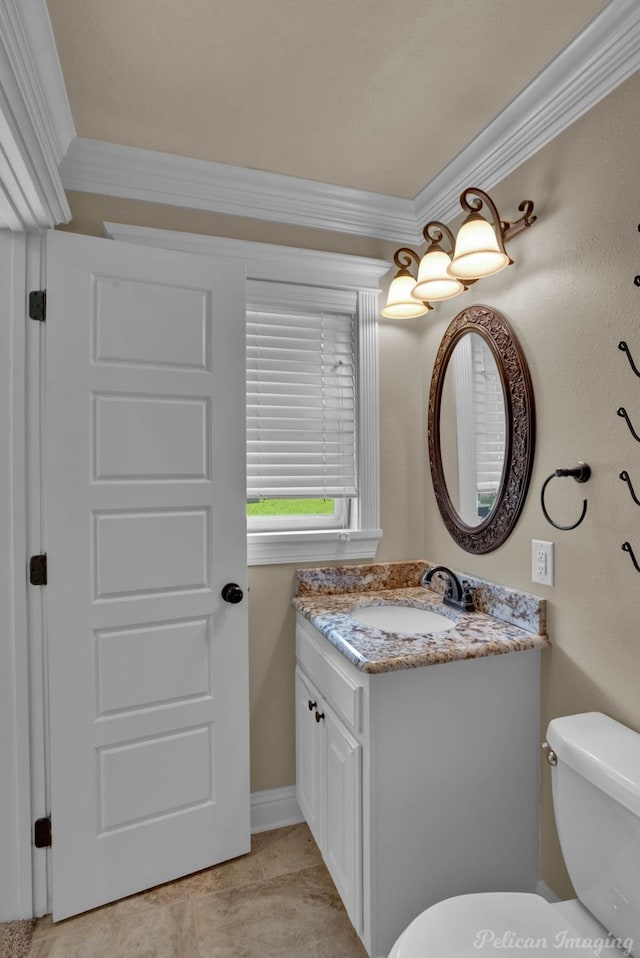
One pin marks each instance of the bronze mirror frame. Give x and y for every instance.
(520, 429)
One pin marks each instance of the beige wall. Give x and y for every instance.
(570, 298)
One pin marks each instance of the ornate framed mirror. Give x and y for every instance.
(481, 429)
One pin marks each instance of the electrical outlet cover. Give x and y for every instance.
(542, 562)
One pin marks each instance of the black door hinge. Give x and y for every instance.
(38, 305)
(42, 832)
(38, 570)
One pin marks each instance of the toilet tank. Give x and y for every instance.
(596, 799)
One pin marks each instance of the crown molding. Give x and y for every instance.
(601, 57)
(592, 65)
(265, 261)
(36, 127)
(94, 166)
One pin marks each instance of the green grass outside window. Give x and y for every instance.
(290, 507)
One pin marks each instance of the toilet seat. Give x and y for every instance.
(497, 924)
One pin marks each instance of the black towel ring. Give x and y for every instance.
(581, 473)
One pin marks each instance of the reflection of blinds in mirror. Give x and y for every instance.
(481, 430)
(462, 363)
(489, 418)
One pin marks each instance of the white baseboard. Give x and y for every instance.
(274, 808)
(544, 891)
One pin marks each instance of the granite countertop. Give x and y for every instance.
(506, 620)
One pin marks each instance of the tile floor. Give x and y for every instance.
(276, 902)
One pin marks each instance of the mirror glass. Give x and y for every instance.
(481, 429)
(472, 429)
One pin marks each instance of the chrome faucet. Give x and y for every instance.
(459, 595)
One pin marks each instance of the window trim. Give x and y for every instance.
(276, 548)
(334, 271)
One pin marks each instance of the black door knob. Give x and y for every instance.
(232, 593)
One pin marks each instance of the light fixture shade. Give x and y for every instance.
(434, 282)
(400, 303)
(478, 250)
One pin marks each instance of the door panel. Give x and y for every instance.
(142, 552)
(125, 323)
(145, 501)
(155, 438)
(176, 771)
(125, 680)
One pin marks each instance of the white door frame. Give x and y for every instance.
(37, 129)
(15, 874)
(36, 543)
(23, 689)
(21, 767)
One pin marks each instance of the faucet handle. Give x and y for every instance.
(467, 596)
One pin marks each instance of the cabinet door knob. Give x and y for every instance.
(311, 705)
(319, 716)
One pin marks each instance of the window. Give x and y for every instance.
(301, 417)
(305, 481)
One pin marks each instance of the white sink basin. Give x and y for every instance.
(401, 618)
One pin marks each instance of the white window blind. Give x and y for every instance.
(301, 403)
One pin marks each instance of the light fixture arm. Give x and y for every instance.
(509, 230)
(435, 232)
(403, 257)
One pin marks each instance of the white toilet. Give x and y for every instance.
(596, 799)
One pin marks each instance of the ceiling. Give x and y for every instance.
(360, 93)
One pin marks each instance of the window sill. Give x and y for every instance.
(271, 548)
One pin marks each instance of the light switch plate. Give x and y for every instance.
(542, 562)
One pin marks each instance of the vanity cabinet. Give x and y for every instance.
(417, 784)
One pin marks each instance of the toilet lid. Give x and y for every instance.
(495, 925)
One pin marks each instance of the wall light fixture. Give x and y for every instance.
(477, 251)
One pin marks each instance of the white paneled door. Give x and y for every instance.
(145, 525)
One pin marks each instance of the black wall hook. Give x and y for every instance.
(625, 349)
(623, 412)
(624, 475)
(626, 547)
(581, 473)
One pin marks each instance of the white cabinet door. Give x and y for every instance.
(329, 790)
(145, 507)
(343, 841)
(311, 784)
